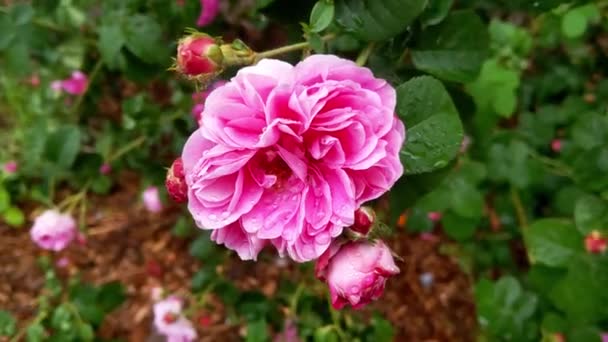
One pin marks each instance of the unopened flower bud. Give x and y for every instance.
(595, 243)
(176, 182)
(556, 145)
(364, 220)
(105, 169)
(199, 55)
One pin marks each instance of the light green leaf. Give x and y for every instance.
(322, 15)
(13, 216)
(63, 146)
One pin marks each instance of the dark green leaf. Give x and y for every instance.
(434, 128)
(503, 308)
(376, 20)
(435, 12)
(552, 241)
(111, 40)
(8, 29)
(63, 146)
(591, 213)
(143, 37)
(453, 50)
(8, 324)
(110, 296)
(21, 14)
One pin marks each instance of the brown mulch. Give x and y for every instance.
(136, 248)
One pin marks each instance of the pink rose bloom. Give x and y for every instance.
(169, 321)
(10, 167)
(286, 154)
(356, 272)
(53, 230)
(152, 200)
(201, 97)
(209, 10)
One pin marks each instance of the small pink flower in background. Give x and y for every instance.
(604, 337)
(53, 230)
(596, 243)
(34, 80)
(200, 98)
(285, 154)
(81, 239)
(289, 334)
(176, 182)
(169, 320)
(105, 169)
(10, 167)
(209, 10)
(151, 199)
(435, 216)
(75, 85)
(63, 262)
(156, 293)
(556, 145)
(356, 272)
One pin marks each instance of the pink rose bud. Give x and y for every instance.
(53, 230)
(152, 200)
(595, 243)
(170, 321)
(209, 10)
(434, 216)
(105, 169)
(356, 272)
(197, 111)
(199, 55)
(364, 220)
(10, 167)
(77, 84)
(556, 145)
(176, 182)
(34, 80)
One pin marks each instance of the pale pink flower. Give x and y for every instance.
(57, 85)
(356, 272)
(151, 199)
(170, 321)
(209, 10)
(289, 333)
(10, 167)
(63, 262)
(53, 230)
(286, 154)
(604, 337)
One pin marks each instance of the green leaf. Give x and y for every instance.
(202, 278)
(435, 12)
(21, 14)
(322, 15)
(61, 318)
(453, 50)
(143, 37)
(590, 130)
(257, 331)
(325, 334)
(574, 23)
(5, 199)
(63, 146)
(434, 130)
(377, 20)
(503, 308)
(111, 40)
(457, 227)
(110, 296)
(9, 31)
(35, 333)
(495, 89)
(581, 293)
(8, 324)
(382, 329)
(552, 242)
(591, 213)
(13, 216)
(86, 332)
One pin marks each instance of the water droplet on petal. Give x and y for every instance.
(213, 217)
(225, 214)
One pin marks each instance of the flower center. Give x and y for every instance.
(273, 164)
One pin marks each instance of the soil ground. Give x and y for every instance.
(136, 248)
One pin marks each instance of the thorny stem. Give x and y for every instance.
(288, 48)
(365, 53)
(293, 305)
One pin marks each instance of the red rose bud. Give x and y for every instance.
(198, 55)
(176, 182)
(595, 243)
(364, 220)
